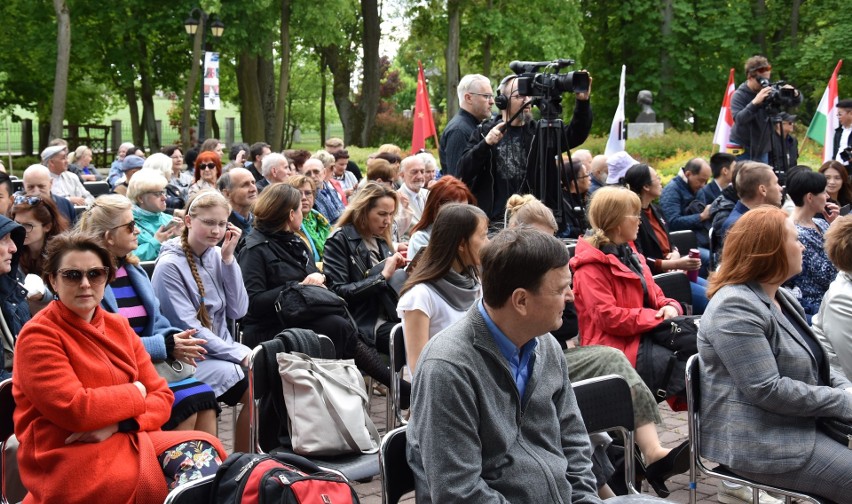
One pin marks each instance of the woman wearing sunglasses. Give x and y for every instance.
(208, 169)
(147, 192)
(89, 403)
(131, 295)
(201, 286)
(41, 219)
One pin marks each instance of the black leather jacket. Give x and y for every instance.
(346, 264)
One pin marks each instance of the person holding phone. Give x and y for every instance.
(131, 294)
(201, 286)
(147, 193)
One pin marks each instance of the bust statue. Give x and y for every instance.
(647, 115)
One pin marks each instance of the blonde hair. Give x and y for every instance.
(206, 198)
(145, 181)
(390, 148)
(103, 217)
(359, 208)
(298, 181)
(608, 208)
(528, 210)
(324, 157)
(77, 153)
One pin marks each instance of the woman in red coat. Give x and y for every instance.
(89, 401)
(613, 306)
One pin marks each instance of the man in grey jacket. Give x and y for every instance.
(494, 417)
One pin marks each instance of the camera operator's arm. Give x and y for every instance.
(477, 157)
(578, 129)
(744, 106)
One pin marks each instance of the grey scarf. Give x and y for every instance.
(460, 291)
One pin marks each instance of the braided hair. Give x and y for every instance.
(207, 198)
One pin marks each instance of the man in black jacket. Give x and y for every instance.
(843, 132)
(499, 160)
(475, 102)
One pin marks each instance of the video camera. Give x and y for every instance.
(781, 96)
(549, 83)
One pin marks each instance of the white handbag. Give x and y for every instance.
(326, 406)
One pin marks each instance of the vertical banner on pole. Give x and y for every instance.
(211, 81)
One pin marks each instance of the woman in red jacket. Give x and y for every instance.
(615, 294)
(89, 401)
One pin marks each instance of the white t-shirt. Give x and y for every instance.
(424, 298)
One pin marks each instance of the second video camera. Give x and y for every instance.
(549, 83)
(782, 96)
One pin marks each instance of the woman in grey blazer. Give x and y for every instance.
(765, 378)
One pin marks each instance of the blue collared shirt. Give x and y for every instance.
(520, 360)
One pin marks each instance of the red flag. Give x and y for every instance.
(726, 120)
(424, 125)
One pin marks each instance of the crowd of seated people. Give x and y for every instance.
(401, 244)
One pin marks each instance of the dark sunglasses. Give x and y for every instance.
(207, 166)
(130, 226)
(29, 200)
(95, 276)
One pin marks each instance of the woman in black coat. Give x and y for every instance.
(359, 261)
(273, 259)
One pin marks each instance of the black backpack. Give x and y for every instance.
(251, 478)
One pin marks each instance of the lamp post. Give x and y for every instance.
(216, 28)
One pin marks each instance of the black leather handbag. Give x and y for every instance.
(301, 303)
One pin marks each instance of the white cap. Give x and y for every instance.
(618, 165)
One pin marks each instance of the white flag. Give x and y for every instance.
(616, 132)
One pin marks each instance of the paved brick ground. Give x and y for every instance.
(673, 432)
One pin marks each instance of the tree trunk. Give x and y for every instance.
(251, 113)
(189, 93)
(266, 83)
(323, 99)
(452, 57)
(135, 128)
(340, 90)
(147, 90)
(370, 35)
(794, 23)
(486, 48)
(63, 61)
(759, 11)
(667, 16)
(279, 129)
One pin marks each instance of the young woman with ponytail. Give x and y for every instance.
(200, 286)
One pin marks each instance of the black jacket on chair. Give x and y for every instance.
(346, 264)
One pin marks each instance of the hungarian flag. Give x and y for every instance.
(424, 126)
(616, 131)
(726, 120)
(825, 120)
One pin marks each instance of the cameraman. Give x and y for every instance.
(498, 161)
(749, 107)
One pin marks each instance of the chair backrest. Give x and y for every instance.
(192, 492)
(397, 478)
(683, 240)
(148, 266)
(571, 249)
(606, 403)
(96, 188)
(675, 284)
(7, 409)
(397, 363)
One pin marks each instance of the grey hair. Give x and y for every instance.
(428, 160)
(467, 82)
(160, 163)
(408, 160)
(272, 159)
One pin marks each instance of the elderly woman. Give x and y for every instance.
(92, 418)
(831, 324)
(131, 295)
(430, 172)
(182, 175)
(208, 169)
(807, 190)
(837, 185)
(653, 239)
(447, 190)
(764, 376)
(148, 195)
(315, 228)
(79, 162)
(175, 194)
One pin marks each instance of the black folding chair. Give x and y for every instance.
(397, 478)
(693, 401)
(683, 240)
(193, 492)
(676, 285)
(397, 364)
(7, 428)
(96, 188)
(148, 266)
(268, 414)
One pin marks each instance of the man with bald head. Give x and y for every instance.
(598, 170)
(37, 182)
(475, 101)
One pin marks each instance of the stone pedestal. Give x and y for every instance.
(636, 130)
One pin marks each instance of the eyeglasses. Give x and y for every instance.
(26, 225)
(130, 226)
(207, 166)
(487, 96)
(214, 223)
(158, 194)
(29, 200)
(95, 276)
(307, 194)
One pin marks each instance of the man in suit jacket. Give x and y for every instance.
(492, 391)
(843, 133)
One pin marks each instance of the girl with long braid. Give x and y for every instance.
(200, 286)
